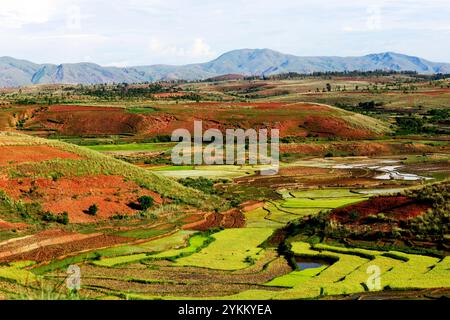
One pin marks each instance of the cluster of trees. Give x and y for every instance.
(62, 218)
(203, 184)
(414, 124)
(330, 74)
(122, 90)
(436, 222)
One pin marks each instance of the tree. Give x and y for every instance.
(328, 87)
(93, 209)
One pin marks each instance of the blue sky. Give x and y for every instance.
(143, 32)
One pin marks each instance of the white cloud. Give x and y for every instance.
(195, 49)
(200, 49)
(15, 14)
(118, 64)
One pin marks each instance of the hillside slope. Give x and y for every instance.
(43, 179)
(293, 119)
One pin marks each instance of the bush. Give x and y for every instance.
(119, 217)
(146, 202)
(62, 218)
(92, 210)
(354, 215)
(203, 184)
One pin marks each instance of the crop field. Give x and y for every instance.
(349, 274)
(213, 171)
(193, 244)
(231, 249)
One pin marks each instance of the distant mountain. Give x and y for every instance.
(14, 72)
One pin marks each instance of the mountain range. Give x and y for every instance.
(14, 72)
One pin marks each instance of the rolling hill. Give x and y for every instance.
(14, 72)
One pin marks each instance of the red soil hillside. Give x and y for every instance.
(112, 195)
(399, 208)
(298, 119)
(18, 154)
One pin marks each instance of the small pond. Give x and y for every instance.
(304, 263)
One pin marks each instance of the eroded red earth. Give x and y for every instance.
(399, 208)
(292, 119)
(112, 194)
(10, 155)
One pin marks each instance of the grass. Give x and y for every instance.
(140, 110)
(232, 249)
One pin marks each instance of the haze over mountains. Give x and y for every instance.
(14, 72)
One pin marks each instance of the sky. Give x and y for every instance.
(144, 32)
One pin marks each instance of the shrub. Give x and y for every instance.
(146, 202)
(93, 209)
(354, 215)
(119, 217)
(62, 218)
(203, 184)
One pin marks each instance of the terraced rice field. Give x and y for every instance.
(351, 272)
(232, 249)
(297, 204)
(231, 264)
(212, 172)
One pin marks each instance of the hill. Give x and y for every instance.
(50, 181)
(417, 219)
(14, 72)
(293, 119)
